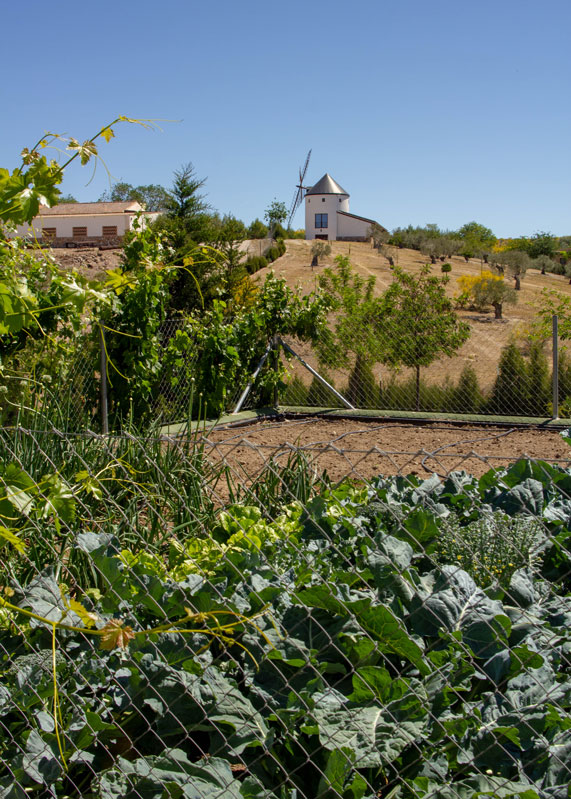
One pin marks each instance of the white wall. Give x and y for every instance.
(93, 222)
(324, 204)
(349, 227)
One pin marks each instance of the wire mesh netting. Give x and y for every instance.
(512, 381)
(285, 614)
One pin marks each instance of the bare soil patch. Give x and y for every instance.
(90, 262)
(362, 450)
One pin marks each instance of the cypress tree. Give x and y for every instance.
(363, 391)
(467, 397)
(538, 381)
(510, 395)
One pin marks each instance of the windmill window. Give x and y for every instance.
(323, 199)
(321, 220)
(79, 232)
(109, 230)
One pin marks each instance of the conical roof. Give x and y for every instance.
(327, 186)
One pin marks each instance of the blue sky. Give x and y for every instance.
(424, 112)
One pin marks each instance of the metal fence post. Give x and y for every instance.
(103, 381)
(555, 367)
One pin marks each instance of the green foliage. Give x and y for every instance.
(417, 322)
(319, 396)
(295, 392)
(516, 262)
(486, 289)
(152, 197)
(319, 249)
(382, 655)
(275, 214)
(538, 380)
(490, 549)
(132, 322)
(446, 268)
(467, 397)
(257, 230)
(227, 348)
(255, 263)
(477, 239)
(185, 201)
(510, 394)
(541, 243)
(363, 390)
(36, 180)
(352, 332)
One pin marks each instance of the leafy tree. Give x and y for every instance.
(417, 323)
(66, 198)
(257, 230)
(552, 303)
(351, 335)
(153, 196)
(477, 238)
(541, 243)
(275, 214)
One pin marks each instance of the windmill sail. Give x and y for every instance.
(298, 196)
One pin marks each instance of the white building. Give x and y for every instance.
(84, 224)
(327, 214)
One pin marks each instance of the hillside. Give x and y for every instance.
(489, 335)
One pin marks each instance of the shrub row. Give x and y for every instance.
(522, 388)
(257, 262)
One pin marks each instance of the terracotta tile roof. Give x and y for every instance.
(89, 209)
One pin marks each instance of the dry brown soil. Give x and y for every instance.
(90, 262)
(362, 449)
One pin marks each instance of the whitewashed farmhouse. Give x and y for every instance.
(84, 224)
(327, 214)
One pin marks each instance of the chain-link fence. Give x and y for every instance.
(258, 613)
(516, 379)
(186, 381)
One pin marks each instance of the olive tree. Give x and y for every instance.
(516, 262)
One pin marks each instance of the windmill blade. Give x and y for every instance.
(302, 174)
(297, 198)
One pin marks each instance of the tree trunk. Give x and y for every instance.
(418, 388)
(433, 259)
(466, 258)
(485, 257)
(497, 310)
(517, 283)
